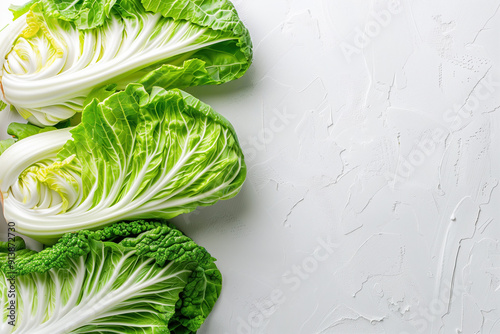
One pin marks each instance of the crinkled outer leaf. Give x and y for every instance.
(51, 60)
(216, 14)
(135, 155)
(130, 277)
(86, 14)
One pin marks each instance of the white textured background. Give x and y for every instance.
(372, 137)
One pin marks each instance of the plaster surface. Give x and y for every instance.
(371, 131)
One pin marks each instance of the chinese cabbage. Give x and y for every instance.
(131, 277)
(134, 155)
(57, 52)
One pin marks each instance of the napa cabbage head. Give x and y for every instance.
(131, 277)
(134, 155)
(56, 52)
